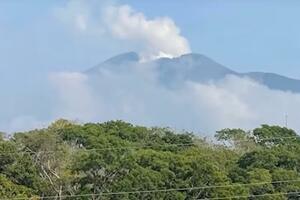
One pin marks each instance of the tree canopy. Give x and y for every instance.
(117, 160)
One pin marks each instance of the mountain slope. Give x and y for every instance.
(193, 67)
(275, 81)
(190, 67)
(116, 63)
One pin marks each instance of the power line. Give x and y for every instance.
(248, 196)
(158, 190)
(146, 146)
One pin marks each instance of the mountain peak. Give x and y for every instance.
(194, 56)
(190, 67)
(173, 72)
(116, 61)
(123, 58)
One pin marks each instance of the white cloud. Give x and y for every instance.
(135, 95)
(75, 98)
(220, 105)
(152, 38)
(242, 102)
(80, 16)
(75, 14)
(81, 22)
(25, 123)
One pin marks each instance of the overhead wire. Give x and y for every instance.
(160, 190)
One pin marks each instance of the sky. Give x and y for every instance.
(45, 45)
(257, 35)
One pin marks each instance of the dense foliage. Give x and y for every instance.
(116, 160)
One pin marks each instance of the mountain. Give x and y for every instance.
(193, 67)
(116, 63)
(275, 81)
(190, 67)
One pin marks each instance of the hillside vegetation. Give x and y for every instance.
(116, 160)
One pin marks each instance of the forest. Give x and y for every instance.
(118, 160)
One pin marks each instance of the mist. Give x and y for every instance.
(136, 95)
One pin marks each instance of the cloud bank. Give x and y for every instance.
(152, 38)
(137, 96)
(74, 97)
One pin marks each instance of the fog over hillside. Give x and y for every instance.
(190, 92)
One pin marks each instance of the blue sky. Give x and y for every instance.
(257, 35)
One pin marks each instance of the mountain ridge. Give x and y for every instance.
(195, 67)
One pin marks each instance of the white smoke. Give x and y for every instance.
(159, 37)
(152, 38)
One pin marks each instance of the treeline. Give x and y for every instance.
(116, 160)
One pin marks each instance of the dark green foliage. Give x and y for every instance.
(71, 159)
